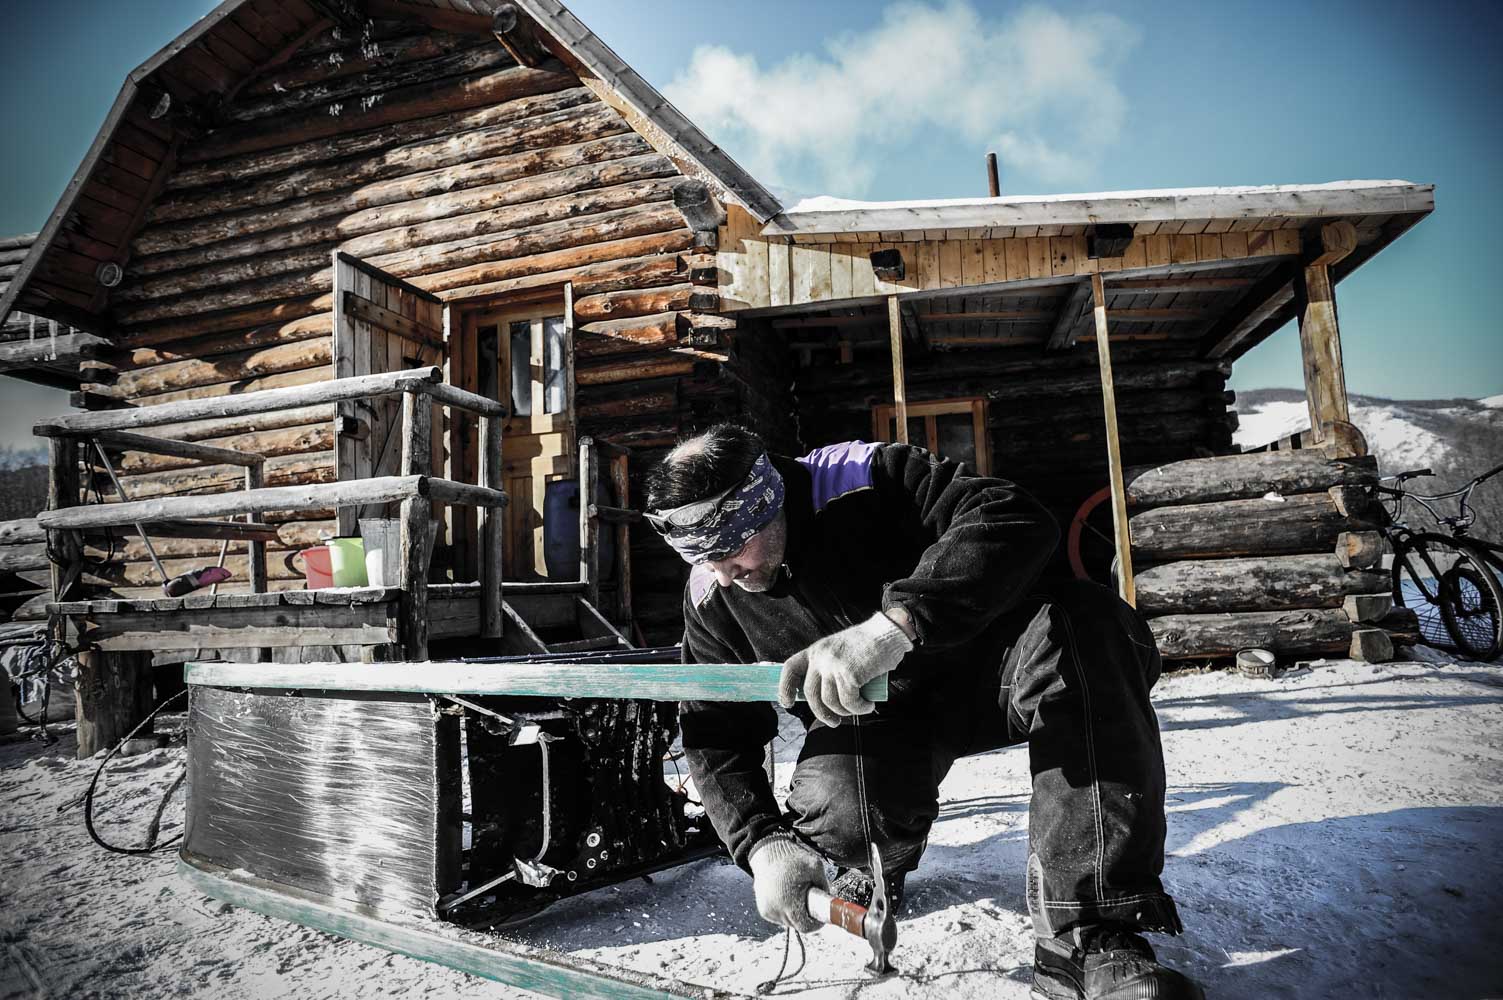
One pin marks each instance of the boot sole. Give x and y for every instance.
(1069, 992)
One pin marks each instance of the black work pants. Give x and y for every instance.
(1073, 684)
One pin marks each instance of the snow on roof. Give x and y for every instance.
(1354, 197)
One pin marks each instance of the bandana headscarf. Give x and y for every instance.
(744, 512)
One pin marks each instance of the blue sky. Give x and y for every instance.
(903, 100)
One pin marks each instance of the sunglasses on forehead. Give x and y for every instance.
(692, 515)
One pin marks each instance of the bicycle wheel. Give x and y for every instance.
(1419, 565)
(1472, 606)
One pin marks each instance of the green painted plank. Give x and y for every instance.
(653, 681)
(534, 969)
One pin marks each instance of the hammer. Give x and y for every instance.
(875, 923)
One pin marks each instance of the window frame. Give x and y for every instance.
(885, 414)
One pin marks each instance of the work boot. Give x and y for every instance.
(855, 886)
(1103, 962)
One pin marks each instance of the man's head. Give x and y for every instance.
(717, 499)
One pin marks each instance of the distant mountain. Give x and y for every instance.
(1457, 438)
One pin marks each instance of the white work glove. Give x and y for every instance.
(832, 670)
(784, 870)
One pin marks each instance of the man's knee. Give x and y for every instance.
(828, 811)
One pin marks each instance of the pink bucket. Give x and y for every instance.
(317, 568)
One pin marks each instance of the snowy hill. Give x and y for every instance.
(1458, 438)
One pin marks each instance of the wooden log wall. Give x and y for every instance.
(437, 158)
(1272, 549)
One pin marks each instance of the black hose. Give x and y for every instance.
(151, 834)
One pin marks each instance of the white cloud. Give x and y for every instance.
(1037, 85)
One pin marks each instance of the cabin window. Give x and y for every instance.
(555, 346)
(521, 368)
(951, 428)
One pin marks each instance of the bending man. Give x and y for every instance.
(862, 559)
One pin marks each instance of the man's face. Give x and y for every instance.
(755, 565)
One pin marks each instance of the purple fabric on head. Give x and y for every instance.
(837, 469)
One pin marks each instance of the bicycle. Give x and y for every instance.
(1449, 580)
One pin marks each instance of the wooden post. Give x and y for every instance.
(1319, 332)
(899, 388)
(416, 512)
(62, 491)
(589, 525)
(621, 480)
(417, 460)
(492, 532)
(1120, 529)
(113, 693)
(993, 178)
(255, 478)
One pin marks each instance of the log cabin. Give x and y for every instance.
(436, 263)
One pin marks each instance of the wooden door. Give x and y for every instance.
(523, 355)
(381, 324)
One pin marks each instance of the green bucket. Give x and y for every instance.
(347, 557)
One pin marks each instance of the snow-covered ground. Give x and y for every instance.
(1337, 832)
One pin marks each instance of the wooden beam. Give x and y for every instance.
(698, 206)
(1068, 318)
(207, 454)
(1320, 335)
(235, 531)
(1263, 300)
(1005, 315)
(1125, 583)
(515, 31)
(899, 389)
(1189, 283)
(361, 308)
(262, 401)
(311, 496)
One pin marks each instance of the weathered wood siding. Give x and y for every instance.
(758, 273)
(434, 157)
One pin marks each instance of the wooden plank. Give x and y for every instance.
(487, 956)
(208, 454)
(779, 274)
(740, 682)
(264, 401)
(361, 308)
(840, 272)
(899, 389)
(1125, 583)
(302, 497)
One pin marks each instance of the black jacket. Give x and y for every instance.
(869, 527)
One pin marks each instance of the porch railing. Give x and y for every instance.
(416, 488)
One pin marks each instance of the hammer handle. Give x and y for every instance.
(837, 912)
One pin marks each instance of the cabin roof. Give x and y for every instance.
(826, 216)
(135, 150)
